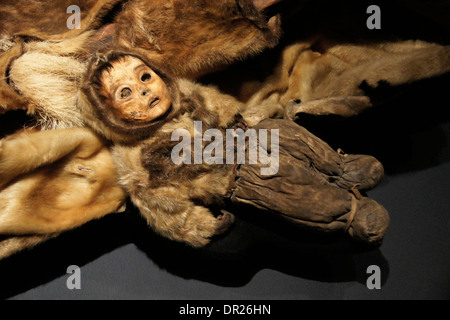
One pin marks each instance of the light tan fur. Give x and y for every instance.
(14, 244)
(42, 78)
(50, 82)
(57, 180)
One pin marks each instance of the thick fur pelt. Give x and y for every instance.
(40, 201)
(9, 98)
(40, 74)
(193, 37)
(42, 78)
(54, 181)
(11, 245)
(50, 82)
(47, 19)
(330, 61)
(324, 77)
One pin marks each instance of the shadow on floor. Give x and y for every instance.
(232, 261)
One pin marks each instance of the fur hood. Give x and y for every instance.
(101, 119)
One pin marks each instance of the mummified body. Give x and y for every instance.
(135, 105)
(59, 186)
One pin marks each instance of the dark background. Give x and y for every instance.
(264, 258)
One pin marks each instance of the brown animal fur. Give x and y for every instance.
(34, 193)
(47, 19)
(329, 81)
(193, 37)
(189, 38)
(9, 99)
(12, 245)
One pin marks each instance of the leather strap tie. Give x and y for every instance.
(352, 212)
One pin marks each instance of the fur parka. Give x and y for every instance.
(303, 181)
(173, 198)
(51, 182)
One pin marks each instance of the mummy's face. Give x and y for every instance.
(135, 92)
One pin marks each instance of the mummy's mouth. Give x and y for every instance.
(154, 103)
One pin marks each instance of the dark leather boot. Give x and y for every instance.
(368, 221)
(362, 172)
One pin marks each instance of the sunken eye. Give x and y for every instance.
(125, 93)
(146, 77)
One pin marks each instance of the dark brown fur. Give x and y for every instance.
(189, 38)
(48, 19)
(10, 99)
(193, 37)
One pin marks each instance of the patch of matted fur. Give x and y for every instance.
(6, 42)
(50, 82)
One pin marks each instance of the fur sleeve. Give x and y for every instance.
(165, 200)
(55, 180)
(175, 217)
(166, 206)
